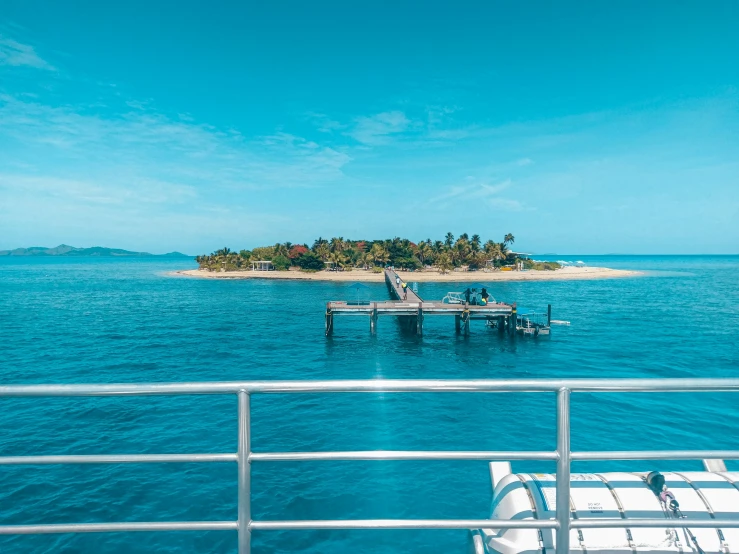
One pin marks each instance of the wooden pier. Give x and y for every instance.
(412, 310)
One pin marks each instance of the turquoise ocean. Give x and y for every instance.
(81, 320)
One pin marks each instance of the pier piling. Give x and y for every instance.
(419, 321)
(329, 320)
(512, 321)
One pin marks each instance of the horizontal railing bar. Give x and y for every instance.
(379, 385)
(657, 455)
(363, 524)
(117, 527)
(402, 524)
(370, 455)
(399, 455)
(116, 459)
(655, 523)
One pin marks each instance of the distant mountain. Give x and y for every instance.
(66, 250)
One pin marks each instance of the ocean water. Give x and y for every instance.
(105, 321)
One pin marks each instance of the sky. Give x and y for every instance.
(580, 127)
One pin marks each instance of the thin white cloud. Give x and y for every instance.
(507, 204)
(478, 194)
(323, 123)
(96, 170)
(378, 129)
(15, 53)
(470, 192)
(149, 144)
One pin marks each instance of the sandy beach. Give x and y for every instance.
(564, 274)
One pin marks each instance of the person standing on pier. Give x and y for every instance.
(405, 290)
(397, 281)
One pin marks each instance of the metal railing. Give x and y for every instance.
(244, 457)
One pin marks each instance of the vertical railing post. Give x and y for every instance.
(563, 471)
(244, 497)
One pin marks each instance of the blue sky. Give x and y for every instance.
(580, 127)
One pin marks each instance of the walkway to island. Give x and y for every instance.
(413, 309)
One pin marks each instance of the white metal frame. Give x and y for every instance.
(244, 457)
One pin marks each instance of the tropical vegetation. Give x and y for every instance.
(337, 253)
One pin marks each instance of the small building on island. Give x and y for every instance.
(262, 265)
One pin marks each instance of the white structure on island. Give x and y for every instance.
(262, 265)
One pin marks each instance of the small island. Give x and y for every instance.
(462, 258)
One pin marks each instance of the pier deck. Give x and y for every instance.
(413, 309)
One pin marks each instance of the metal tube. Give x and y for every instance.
(116, 459)
(378, 385)
(563, 470)
(118, 527)
(496, 385)
(406, 524)
(399, 455)
(654, 523)
(657, 455)
(244, 494)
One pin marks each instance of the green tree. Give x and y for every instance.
(338, 258)
(444, 263)
(263, 253)
(509, 239)
(281, 250)
(460, 252)
(449, 240)
(379, 254)
(493, 251)
(281, 263)
(311, 261)
(424, 252)
(477, 260)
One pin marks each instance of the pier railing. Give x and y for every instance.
(244, 525)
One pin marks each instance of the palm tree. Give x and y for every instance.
(281, 250)
(475, 243)
(337, 244)
(464, 236)
(424, 251)
(493, 250)
(444, 263)
(364, 260)
(503, 250)
(449, 240)
(379, 254)
(477, 260)
(337, 258)
(322, 250)
(460, 251)
(508, 239)
(225, 251)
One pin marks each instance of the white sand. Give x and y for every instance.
(564, 274)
